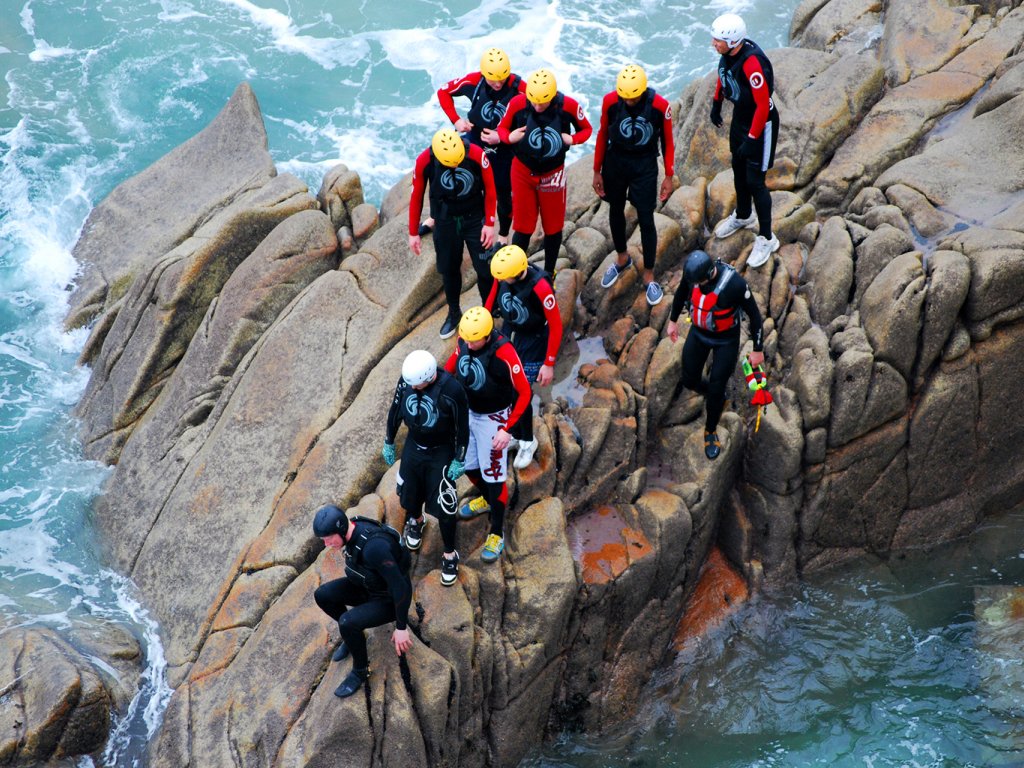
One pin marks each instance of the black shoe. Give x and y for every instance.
(451, 325)
(450, 570)
(425, 229)
(341, 652)
(413, 533)
(711, 445)
(352, 683)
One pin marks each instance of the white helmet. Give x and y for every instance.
(729, 28)
(419, 367)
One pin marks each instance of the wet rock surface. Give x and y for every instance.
(241, 382)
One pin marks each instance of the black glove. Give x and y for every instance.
(716, 114)
(747, 148)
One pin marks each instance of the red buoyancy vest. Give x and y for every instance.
(704, 310)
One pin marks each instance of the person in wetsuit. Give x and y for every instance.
(635, 121)
(375, 589)
(487, 365)
(717, 298)
(489, 91)
(746, 78)
(462, 204)
(432, 404)
(541, 125)
(526, 301)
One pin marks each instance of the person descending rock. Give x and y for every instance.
(375, 589)
(489, 91)
(635, 121)
(541, 125)
(462, 204)
(433, 406)
(745, 78)
(531, 319)
(718, 298)
(488, 367)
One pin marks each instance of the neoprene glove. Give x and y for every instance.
(456, 470)
(388, 452)
(716, 114)
(748, 148)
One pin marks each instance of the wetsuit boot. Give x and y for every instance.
(352, 683)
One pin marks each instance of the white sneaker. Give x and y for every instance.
(763, 249)
(525, 455)
(732, 224)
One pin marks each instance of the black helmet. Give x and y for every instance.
(699, 267)
(330, 520)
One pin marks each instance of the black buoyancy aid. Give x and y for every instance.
(456, 191)
(542, 148)
(704, 310)
(735, 86)
(635, 134)
(366, 530)
(421, 410)
(488, 106)
(520, 305)
(474, 372)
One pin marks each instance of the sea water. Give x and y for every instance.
(96, 90)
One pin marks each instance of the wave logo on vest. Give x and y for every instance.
(545, 141)
(457, 180)
(730, 88)
(492, 111)
(421, 410)
(638, 129)
(472, 373)
(513, 309)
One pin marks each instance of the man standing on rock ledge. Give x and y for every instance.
(462, 203)
(718, 298)
(746, 78)
(375, 589)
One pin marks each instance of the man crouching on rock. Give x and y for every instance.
(376, 588)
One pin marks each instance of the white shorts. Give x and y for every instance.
(493, 465)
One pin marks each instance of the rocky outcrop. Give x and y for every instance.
(241, 383)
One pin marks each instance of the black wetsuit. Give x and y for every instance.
(437, 418)
(376, 587)
(715, 331)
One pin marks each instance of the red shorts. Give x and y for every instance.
(545, 192)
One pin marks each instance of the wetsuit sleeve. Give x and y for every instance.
(739, 294)
(378, 555)
(462, 86)
(574, 111)
(718, 91)
(680, 301)
(450, 363)
(455, 396)
(507, 354)
(759, 87)
(419, 185)
(602, 131)
(507, 124)
(553, 316)
(490, 197)
(492, 297)
(395, 413)
(668, 149)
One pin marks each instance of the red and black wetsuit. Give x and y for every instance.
(628, 140)
(462, 203)
(716, 309)
(538, 170)
(532, 320)
(495, 383)
(486, 108)
(748, 81)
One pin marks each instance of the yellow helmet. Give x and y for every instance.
(494, 64)
(541, 87)
(448, 147)
(508, 262)
(632, 82)
(476, 324)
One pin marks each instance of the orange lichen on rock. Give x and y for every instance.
(606, 546)
(720, 591)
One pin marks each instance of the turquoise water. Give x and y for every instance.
(850, 671)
